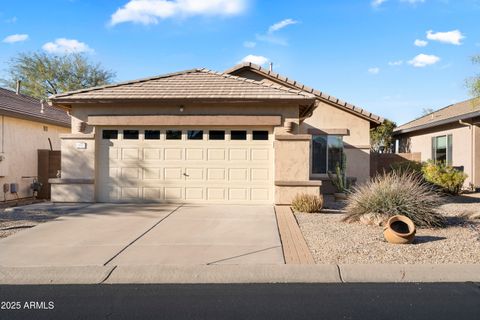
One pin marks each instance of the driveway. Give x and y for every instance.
(114, 234)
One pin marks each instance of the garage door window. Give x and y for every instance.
(110, 134)
(130, 134)
(195, 134)
(216, 135)
(260, 135)
(174, 135)
(152, 134)
(238, 135)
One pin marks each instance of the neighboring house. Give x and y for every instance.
(450, 135)
(27, 125)
(201, 136)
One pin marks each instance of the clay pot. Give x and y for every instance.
(399, 230)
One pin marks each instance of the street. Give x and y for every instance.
(243, 301)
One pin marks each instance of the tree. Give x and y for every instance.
(381, 138)
(43, 75)
(474, 82)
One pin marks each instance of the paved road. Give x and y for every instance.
(281, 301)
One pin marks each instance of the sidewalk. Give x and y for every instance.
(168, 274)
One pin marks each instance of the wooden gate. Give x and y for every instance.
(48, 166)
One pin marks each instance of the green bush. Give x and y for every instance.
(446, 177)
(395, 194)
(308, 203)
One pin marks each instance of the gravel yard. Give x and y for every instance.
(333, 241)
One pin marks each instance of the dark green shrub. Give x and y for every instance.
(407, 166)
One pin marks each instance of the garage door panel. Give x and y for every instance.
(152, 154)
(194, 154)
(130, 154)
(216, 194)
(173, 174)
(194, 194)
(173, 154)
(192, 171)
(216, 174)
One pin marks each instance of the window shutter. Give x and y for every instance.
(449, 150)
(434, 158)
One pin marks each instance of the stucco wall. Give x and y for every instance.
(356, 142)
(19, 141)
(421, 141)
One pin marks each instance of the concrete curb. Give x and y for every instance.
(225, 274)
(410, 273)
(54, 275)
(191, 274)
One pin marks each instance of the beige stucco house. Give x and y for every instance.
(27, 125)
(450, 135)
(245, 136)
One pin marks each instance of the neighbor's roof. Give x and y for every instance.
(191, 84)
(318, 94)
(25, 107)
(452, 113)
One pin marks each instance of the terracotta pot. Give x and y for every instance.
(340, 196)
(399, 230)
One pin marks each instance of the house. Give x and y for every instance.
(450, 135)
(27, 125)
(244, 136)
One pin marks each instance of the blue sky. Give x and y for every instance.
(361, 51)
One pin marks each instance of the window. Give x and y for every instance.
(195, 134)
(216, 135)
(110, 134)
(130, 134)
(174, 135)
(238, 135)
(260, 135)
(442, 149)
(152, 134)
(327, 152)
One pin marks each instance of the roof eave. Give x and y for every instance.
(399, 131)
(23, 116)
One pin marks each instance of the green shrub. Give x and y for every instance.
(395, 193)
(446, 177)
(309, 203)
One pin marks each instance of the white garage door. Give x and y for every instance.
(191, 165)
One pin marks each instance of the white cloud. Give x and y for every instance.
(62, 46)
(281, 24)
(377, 3)
(260, 60)
(420, 43)
(423, 60)
(15, 38)
(151, 11)
(395, 63)
(451, 37)
(249, 44)
(374, 70)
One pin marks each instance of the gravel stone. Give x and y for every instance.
(332, 241)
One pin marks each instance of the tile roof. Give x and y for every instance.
(25, 107)
(190, 84)
(448, 114)
(319, 94)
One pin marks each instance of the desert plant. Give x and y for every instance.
(446, 177)
(309, 203)
(339, 178)
(395, 194)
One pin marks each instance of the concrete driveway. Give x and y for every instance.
(114, 234)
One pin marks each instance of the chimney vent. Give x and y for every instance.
(271, 66)
(42, 107)
(19, 83)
